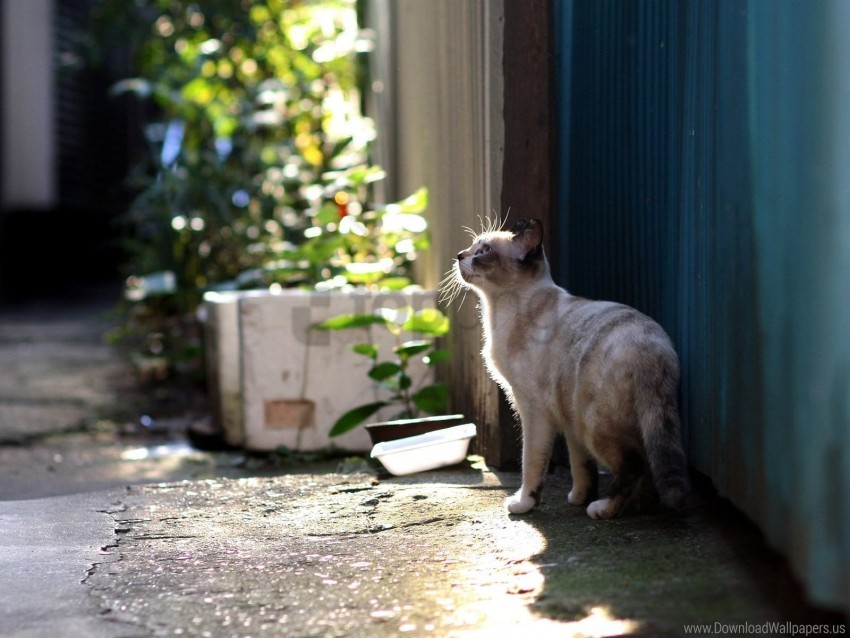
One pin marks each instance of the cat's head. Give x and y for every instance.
(503, 259)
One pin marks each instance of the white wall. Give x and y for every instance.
(27, 108)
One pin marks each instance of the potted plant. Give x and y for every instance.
(276, 382)
(416, 408)
(421, 436)
(257, 199)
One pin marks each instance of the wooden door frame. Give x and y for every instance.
(529, 169)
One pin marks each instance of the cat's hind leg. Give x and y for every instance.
(584, 473)
(628, 487)
(537, 439)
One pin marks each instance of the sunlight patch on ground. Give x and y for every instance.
(598, 624)
(175, 449)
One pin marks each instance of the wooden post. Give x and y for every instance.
(528, 169)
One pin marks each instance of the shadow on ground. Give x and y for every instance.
(664, 573)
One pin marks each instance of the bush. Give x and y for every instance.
(257, 172)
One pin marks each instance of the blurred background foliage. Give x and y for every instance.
(253, 103)
(257, 171)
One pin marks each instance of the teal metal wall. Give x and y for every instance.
(705, 179)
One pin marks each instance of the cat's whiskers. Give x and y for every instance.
(450, 288)
(450, 285)
(492, 224)
(488, 225)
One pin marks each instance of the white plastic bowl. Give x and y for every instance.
(425, 451)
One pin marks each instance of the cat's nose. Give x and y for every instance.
(460, 256)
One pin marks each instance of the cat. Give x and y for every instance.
(604, 374)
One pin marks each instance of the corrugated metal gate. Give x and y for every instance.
(705, 179)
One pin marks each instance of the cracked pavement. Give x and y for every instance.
(324, 555)
(357, 555)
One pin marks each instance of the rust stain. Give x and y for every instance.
(289, 413)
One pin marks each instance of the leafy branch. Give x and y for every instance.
(392, 373)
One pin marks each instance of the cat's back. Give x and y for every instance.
(613, 334)
(550, 322)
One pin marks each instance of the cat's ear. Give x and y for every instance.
(528, 235)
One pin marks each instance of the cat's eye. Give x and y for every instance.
(483, 249)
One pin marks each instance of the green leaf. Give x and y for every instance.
(415, 203)
(411, 348)
(365, 272)
(199, 91)
(328, 213)
(339, 147)
(366, 175)
(422, 243)
(404, 382)
(345, 322)
(395, 283)
(428, 321)
(432, 398)
(354, 417)
(437, 356)
(318, 250)
(385, 370)
(357, 176)
(366, 349)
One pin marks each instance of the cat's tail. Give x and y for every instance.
(662, 439)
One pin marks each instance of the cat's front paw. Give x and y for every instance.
(520, 503)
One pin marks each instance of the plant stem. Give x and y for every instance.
(405, 392)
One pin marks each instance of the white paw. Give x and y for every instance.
(576, 497)
(600, 509)
(520, 503)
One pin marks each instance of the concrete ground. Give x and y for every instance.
(112, 524)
